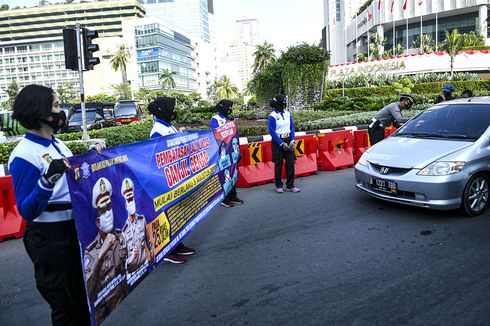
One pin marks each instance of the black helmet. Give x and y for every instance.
(224, 107)
(408, 97)
(279, 102)
(163, 108)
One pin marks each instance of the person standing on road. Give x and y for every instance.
(164, 111)
(224, 108)
(38, 164)
(281, 129)
(387, 116)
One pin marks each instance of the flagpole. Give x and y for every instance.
(407, 34)
(357, 50)
(368, 43)
(394, 28)
(421, 33)
(437, 32)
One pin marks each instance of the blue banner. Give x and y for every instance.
(134, 203)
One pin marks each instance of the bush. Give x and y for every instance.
(436, 87)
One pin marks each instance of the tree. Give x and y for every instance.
(119, 60)
(122, 91)
(4, 7)
(427, 44)
(472, 39)
(66, 92)
(223, 88)
(264, 55)
(165, 78)
(399, 49)
(12, 90)
(375, 45)
(452, 45)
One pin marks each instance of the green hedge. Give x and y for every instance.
(475, 48)
(361, 91)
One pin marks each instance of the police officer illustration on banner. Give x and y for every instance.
(224, 159)
(105, 257)
(236, 150)
(138, 240)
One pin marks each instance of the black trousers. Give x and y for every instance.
(55, 253)
(232, 194)
(278, 156)
(376, 134)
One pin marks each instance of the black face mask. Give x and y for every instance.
(59, 120)
(174, 115)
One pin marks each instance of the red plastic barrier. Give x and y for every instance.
(306, 159)
(361, 143)
(389, 130)
(335, 150)
(11, 223)
(252, 173)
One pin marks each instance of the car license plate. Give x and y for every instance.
(384, 185)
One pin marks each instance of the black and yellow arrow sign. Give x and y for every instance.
(255, 153)
(299, 149)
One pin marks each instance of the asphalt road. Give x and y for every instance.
(326, 256)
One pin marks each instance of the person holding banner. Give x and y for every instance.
(164, 111)
(281, 129)
(224, 108)
(104, 258)
(38, 165)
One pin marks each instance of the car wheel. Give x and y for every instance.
(475, 195)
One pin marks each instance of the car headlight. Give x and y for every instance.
(363, 159)
(442, 168)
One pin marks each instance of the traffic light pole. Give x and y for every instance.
(85, 135)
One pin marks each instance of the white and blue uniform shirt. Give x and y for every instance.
(28, 161)
(218, 120)
(162, 128)
(281, 126)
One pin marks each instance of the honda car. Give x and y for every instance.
(439, 159)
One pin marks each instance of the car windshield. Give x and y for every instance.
(77, 117)
(126, 110)
(451, 121)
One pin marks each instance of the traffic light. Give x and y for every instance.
(89, 61)
(70, 45)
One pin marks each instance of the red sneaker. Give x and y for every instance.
(184, 251)
(175, 259)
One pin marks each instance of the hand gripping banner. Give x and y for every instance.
(134, 203)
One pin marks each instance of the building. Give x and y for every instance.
(195, 18)
(248, 31)
(397, 22)
(31, 42)
(157, 46)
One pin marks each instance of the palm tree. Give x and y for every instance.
(166, 80)
(119, 60)
(452, 45)
(264, 54)
(427, 43)
(223, 88)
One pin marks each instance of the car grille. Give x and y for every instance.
(398, 171)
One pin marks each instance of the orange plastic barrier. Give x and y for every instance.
(335, 150)
(361, 143)
(306, 159)
(389, 130)
(11, 223)
(256, 167)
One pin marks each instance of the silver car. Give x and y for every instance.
(439, 159)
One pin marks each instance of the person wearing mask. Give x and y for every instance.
(447, 94)
(38, 164)
(164, 111)
(224, 108)
(387, 116)
(466, 93)
(281, 129)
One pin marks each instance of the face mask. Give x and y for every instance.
(59, 120)
(106, 221)
(174, 115)
(131, 207)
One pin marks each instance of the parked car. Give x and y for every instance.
(94, 120)
(439, 159)
(127, 111)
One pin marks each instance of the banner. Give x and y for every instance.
(134, 203)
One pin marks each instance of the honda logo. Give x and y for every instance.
(384, 170)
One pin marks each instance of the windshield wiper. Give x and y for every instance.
(420, 134)
(459, 136)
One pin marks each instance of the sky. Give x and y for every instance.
(282, 22)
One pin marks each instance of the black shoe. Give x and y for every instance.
(236, 201)
(226, 203)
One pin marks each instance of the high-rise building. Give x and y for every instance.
(195, 18)
(248, 31)
(157, 47)
(31, 41)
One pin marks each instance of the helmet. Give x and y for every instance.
(127, 188)
(224, 107)
(101, 193)
(279, 102)
(407, 97)
(448, 88)
(163, 108)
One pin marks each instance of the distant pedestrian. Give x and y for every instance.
(224, 108)
(281, 129)
(466, 93)
(387, 116)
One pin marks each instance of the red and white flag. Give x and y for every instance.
(379, 4)
(369, 14)
(405, 5)
(392, 5)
